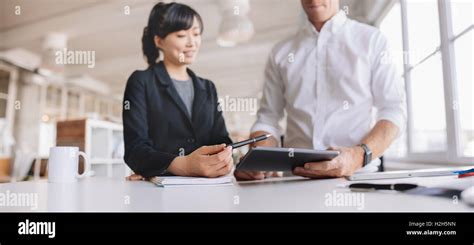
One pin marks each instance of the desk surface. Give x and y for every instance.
(286, 194)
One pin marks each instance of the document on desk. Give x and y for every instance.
(179, 181)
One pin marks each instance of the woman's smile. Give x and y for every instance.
(190, 53)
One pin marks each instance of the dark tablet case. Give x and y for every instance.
(281, 159)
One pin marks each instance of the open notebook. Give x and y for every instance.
(176, 181)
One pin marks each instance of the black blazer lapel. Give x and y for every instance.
(164, 78)
(200, 96)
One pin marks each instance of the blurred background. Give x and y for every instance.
(78, 102)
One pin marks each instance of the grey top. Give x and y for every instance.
(186, 92)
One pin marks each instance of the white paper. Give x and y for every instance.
(174, 181)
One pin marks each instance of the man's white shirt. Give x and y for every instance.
(330, 83)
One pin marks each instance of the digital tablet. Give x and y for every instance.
(281, 159)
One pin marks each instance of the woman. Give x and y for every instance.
(171, 120)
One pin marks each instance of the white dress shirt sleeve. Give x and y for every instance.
(273, 102)
(388, 88)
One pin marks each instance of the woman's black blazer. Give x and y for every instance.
(156, 124)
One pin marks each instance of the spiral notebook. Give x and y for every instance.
(177, 181)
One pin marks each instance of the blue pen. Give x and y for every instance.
(464, 171)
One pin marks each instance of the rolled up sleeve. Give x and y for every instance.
(387, 85)
(272, 104)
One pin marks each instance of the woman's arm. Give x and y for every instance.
(206, 161)
(140, 155)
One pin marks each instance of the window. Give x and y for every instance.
(117, 110)
(391, 27)
(461, 12)
(423, 28)
(89, 104)
(428, 111)
(4, 84)
(464, 63)
(439, 79)
(73, 105)
(53, 97)
(52, 110)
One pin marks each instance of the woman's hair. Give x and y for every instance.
(164, 19)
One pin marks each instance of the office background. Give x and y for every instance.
(43, 103)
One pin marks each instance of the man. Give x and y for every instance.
(329, 78)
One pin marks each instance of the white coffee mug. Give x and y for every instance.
(63, 164)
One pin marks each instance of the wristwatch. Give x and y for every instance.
(367, 154)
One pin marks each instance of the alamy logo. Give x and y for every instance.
(37, 228)
(19, 199)
(345, 199)
(231, 104)
(75, 57)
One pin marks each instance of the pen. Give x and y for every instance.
(371, 187)
(465, 173)
(250, 141)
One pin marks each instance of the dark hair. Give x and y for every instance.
(164, 19)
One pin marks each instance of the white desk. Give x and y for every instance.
(278, 194)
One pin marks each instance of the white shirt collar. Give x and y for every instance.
(334, 24)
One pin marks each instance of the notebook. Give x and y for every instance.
(177, 181)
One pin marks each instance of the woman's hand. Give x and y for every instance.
(134, 177)
(207, 161)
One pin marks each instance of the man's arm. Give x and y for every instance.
(351, 159)
(381, 137)
(272, 103)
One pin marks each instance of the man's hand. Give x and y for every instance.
(258, 175)
(348, 161)
(255, 175)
